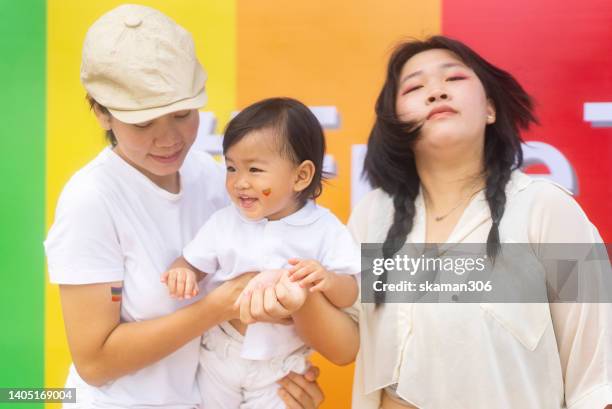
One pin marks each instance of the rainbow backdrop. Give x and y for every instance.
(332, 53)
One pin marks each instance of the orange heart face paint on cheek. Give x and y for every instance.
(266, 192)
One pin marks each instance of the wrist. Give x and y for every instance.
(330, 279)
(213, 305)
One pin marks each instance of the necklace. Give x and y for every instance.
(444, 216)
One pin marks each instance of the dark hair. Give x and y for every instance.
(299, 135)
(389, 162)
(110, 136)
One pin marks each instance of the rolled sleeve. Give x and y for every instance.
(598, 398)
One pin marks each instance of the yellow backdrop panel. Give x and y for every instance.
(330, 53)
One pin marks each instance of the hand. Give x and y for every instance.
(272, 303)
(310, 273)
(226, 294)
(181, 282)
(301, 391)
(265, 278)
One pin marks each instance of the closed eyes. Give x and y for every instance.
(181, 115)
(416, 87)
(178, 115)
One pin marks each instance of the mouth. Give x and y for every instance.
(246, 202)
(168, 158)
(441, 112)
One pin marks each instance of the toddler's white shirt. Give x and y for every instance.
(229, 245)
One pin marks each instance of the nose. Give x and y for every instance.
(241, 183)
(437, 95)
(168, 137)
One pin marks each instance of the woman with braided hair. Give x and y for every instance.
(443, 158)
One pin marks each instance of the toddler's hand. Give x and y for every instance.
(266, 278)
(310, 273)
(181, 283)
(290, 294)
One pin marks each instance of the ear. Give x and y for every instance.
(303, 175)
(490, 112)
(104, 118)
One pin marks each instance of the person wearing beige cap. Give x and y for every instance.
(124, 217)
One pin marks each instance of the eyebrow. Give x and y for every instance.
(419, 72)
(248, 160)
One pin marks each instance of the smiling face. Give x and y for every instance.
(156, 148)
(438, 90)
(261, 182)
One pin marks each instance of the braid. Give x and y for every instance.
(403, 219)
(496, 197)
(499, 162)
(389, 164)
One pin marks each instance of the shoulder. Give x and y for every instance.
(550, 211)
(374, 197)
(89, 187)
(221, 221)
(322, 216)
(371, 217)
(226, 214)
(541, 192)
(375, 201)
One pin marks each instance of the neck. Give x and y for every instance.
(171, 183)
(445, 184)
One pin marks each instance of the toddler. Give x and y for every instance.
(274, 153)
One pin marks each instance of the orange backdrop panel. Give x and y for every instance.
(329, 53)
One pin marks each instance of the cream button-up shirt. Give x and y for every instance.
(485, 356)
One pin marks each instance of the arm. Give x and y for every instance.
(104, 348)
(315, 323)
(340, 289)
(583, 329)
(584, 339)
(182, 279)
(314, 317)
(182, 263)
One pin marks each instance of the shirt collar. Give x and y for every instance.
(308, 214)
(518, 181)
(476, 213)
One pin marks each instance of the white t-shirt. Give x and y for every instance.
(114, 224)
(229, 245)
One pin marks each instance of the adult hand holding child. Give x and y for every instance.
(271, 296)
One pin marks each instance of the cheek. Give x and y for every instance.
(229, 183)
(134, 144)
(189, 130)
(475, 97)
(406, 109)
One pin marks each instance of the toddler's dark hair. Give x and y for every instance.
(299, 134)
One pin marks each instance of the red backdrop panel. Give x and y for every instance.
(561, 52)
